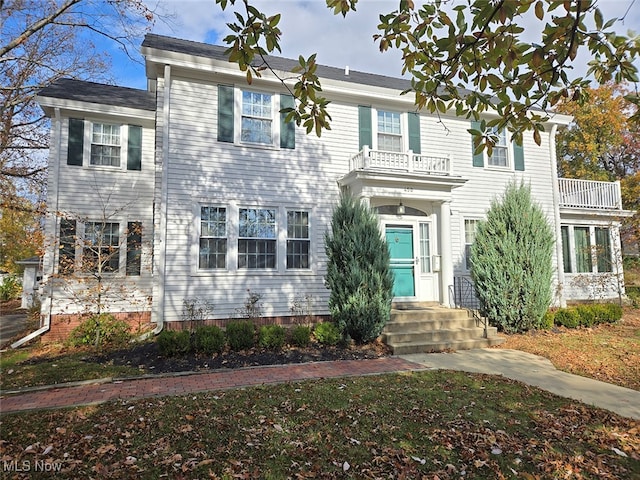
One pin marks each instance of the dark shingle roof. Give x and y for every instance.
(216, 52)
(83, 91)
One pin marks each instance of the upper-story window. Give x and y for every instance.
(105, 145)
(500, 155)
(389, 131)
(257, 118)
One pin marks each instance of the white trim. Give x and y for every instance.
(275, 119)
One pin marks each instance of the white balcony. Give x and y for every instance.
(590, 194)
(367, 159)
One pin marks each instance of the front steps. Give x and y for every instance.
(426, 327)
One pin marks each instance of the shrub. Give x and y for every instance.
(547, 320)
(101, 330)
(358, 272)
(633, 292)
(240, 335)
(208, 340)
(327, 333)
(272, 337)
(10, 288)
(301, 336)
(587, 315)
(567, 317)
(511, 261)
(172, 343)
(607, 312)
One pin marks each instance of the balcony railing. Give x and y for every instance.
(367, 159)
(589, 194)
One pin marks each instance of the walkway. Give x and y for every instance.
(513, 364)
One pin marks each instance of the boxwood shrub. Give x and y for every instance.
(208, 340)
(301, 336)
(272, 337)
(327, 333)
(174, 343)
(241, 335)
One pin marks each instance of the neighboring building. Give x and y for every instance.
(196, 188)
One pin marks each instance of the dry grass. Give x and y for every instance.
(610, 353)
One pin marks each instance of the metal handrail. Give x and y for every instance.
(464, 296)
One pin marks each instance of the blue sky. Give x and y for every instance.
(308, 27)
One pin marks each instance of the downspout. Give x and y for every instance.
(556, 213)
(159, 306)
(47, 316)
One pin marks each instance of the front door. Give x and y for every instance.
(400, 241)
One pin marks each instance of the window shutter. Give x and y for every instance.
(134, 148)
(414, 132)
(134, 248)
(478, 158)
(67, 257)
(75, 149)
(364, 124)
(225, 113)
(287, 129)
(518, 157)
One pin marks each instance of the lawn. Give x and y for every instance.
(433, 424)
(610, 353)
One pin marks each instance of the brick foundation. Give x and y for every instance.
(222, 322)
(61, 325)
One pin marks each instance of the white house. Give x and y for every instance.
(196, 188)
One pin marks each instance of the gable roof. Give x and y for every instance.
(216, 52)
(100, 93)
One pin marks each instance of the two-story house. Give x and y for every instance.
(197, 188)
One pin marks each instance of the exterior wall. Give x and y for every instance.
(97, 193)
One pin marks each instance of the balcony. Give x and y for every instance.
(589, 194)
(367, 159)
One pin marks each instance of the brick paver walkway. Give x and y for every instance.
(57, 397)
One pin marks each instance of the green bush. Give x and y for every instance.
(327, 333)
(358, 275)
(301, 336)
(240, 335)
(208, 340)
(511, 261)
(174, 343)
(547, 320)
(587, 315)
(607, 312)
(10, 288)
(272, 337)
(567, 317)
(634, 295)
(102, 330)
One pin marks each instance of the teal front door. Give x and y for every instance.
(400, 241)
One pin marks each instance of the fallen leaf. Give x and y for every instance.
(619, 452)
(345, 466)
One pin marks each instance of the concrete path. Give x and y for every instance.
(537, 371)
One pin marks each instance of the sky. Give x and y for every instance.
(309, 27)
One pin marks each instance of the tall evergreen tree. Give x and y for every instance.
(511, 261)
(358, 271)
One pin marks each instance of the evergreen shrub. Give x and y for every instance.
(174, 343)
(511, 262)
(301, 336)
(272, 337)
(240, 335)
(327, 333)
(208, 340)
(358, 276)
(567, 317)
(588, 315)
(102, 330)
(547, 320)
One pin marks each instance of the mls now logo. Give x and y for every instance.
(29, 466)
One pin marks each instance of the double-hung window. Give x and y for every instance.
(101, 248)
(389, 132)
(298, 240)
(470, 226)
(257, 118)
(257, 239)
(500, 155)
(105, 145)
(213, 237)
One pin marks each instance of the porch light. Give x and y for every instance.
(400, 209)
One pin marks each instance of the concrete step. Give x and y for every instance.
(429, 347)
(415, 324)
(428, 314)
(440, 335)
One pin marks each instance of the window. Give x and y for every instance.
(566, 249)
(499, 156)
(257, 238)
(603, 250)
(101, 249)
(298, 241)
(425, 249)
(389, 132)
(582, 240)
(213, 237)
(105, 145)
(257, 118)
(470, 226)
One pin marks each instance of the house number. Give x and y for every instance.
(408, 189)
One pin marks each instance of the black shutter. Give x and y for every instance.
(225, 113)
(134, 150)
(75, 148)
